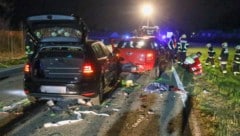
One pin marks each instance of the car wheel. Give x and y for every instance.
(98, 99)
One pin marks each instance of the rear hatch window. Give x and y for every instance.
(138, 50)
(140, 43)
(52, 29)
(45, 26)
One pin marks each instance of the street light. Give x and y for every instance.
(147, 11)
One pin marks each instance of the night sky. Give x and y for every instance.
(125, 15)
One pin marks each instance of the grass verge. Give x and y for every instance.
(12, 62)
(216, 98)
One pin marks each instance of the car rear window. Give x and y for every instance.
(63, 52)
(140, 44)
(57, 32)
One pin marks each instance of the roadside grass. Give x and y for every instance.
(12, 62)
(217, 97)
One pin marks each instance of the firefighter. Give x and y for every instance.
(211, 55)
(182, 46)
(172, 43)
(224, 57)
(193, 64)
(236, 61)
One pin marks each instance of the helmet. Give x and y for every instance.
(208, 45)
(184, 36)
(66, 34)
(53, 34)
(225, 45)
(38, 34)
(60, 31)
(237, 47)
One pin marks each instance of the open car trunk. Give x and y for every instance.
(59, 63)
(52, 28)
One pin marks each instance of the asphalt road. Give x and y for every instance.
(11, 89)
(127, 111)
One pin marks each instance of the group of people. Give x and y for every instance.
(224, 58)
(178, 54)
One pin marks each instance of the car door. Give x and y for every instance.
(103, 61)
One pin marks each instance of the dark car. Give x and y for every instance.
(141, 54)
(62, 67)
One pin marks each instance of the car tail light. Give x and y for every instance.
(26, 91)
(149, 56)
(27, 68)
(88, 94)
(88, 68)
(117, 55)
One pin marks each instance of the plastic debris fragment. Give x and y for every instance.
(92, 112)
(156, 87)
(61, 123)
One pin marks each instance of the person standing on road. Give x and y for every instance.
(182, 46)
(211, 55)
(224, 57)
(236, 61)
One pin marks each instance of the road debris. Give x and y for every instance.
(114, 109)
(92, 112)
(162, 80)
(61, 123)
(151, 112)
(50, 103)
(15, 106)
(85, 102)
(129, 83)
(156, 87)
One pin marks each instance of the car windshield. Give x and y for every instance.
(140, 44)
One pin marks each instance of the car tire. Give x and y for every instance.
(99, 98)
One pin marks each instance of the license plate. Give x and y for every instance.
(53, 89)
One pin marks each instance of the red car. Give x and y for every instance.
(140, 54)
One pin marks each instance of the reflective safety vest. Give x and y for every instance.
(224, 54)
(236, 58)
(211, 52)
(182, 46)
